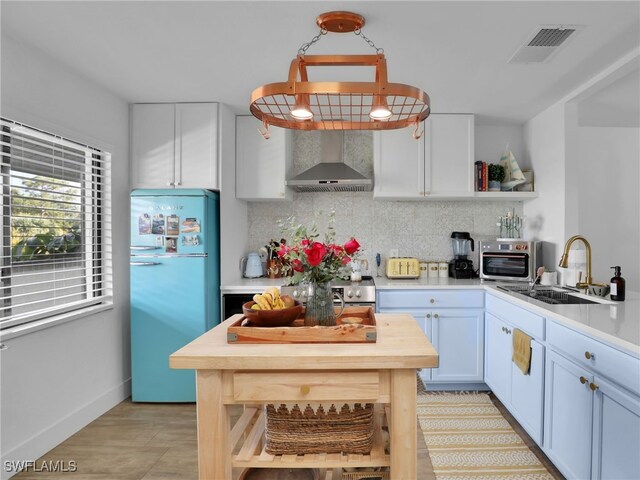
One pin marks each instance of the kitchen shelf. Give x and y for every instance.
(251, 453)
(505, 195)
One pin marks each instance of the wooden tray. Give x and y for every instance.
(297, 332)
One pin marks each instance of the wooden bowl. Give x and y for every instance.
(272, 318)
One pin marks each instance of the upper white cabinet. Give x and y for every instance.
(438, 165)
(175, 145)
(261, 165)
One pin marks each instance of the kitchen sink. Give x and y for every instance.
(550, 295)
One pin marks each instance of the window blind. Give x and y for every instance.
(55, 241)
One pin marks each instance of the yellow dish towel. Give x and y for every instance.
(521, 350)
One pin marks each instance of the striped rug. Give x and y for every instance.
(468, 438)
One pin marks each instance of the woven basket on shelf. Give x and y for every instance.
(366, 475)
(291, 432)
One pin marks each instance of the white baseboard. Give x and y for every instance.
(54, 434)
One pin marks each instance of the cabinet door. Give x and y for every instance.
(458, 337)
(197, 145)
(398, 163)
(616, 433)
(426, 323)
(262, 165)
(497, 368)
(527, 393)
(449, 154)
(152, 145)
(568, 416)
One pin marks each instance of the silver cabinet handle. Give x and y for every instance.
(144, 264)
(428, 315)
(433, 300)
(3, 346)
(435, 315)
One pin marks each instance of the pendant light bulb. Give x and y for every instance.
(301, 110)
(380, 109)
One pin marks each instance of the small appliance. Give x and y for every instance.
(403, 267)
(251, 266)
(513, 260)
(461, 266)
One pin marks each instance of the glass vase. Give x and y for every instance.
(319, 307)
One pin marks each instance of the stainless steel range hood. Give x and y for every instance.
(331, 174)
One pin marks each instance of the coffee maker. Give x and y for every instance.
(461, 266)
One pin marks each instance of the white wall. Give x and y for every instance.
(544, 138)
(609, 200)
(233, 213)
(491, 140)
(55, 381)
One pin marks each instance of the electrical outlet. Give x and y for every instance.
(393, 253)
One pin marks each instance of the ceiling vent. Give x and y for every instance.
(543, 43)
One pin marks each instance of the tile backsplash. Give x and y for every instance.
(419, 229)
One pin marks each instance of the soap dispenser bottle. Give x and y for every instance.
(617, 285)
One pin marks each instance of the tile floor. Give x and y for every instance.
(147, 441)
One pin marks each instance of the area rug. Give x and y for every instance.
(468, 438)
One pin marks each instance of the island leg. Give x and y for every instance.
(403, 429)
(214, 453)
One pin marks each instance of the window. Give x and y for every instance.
(55, 242)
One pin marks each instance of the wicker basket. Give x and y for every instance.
(291, 432)
(366, 475)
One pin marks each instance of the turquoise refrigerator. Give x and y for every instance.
(175, 286)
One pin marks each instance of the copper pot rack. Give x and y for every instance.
(377, 105)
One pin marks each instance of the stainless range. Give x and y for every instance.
(361, 293)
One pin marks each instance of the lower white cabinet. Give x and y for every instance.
(521, 394)
(592, 426)
(456, 333)
(568, 417)
(616, 432)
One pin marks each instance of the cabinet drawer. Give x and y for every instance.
(617, 366)
(518, 317)
(306, 386)
(430, 299)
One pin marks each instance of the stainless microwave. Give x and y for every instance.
(509, 260)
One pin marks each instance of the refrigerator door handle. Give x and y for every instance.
(143, 247)
(144, 264)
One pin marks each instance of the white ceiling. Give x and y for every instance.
(617, 105)
(157, 51)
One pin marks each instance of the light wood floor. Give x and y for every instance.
(144, 441)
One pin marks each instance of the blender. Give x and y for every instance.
(461, 266)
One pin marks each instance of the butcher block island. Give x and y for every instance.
(382, 373)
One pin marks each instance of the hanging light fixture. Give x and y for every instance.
(305, 105)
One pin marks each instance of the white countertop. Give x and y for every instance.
(616, 324)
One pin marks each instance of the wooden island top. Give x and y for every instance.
(382, 373)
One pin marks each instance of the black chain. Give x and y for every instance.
(379, 51)
(305, 46)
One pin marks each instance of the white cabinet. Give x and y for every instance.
(262, 166)
(616, 432)
(497, 370)
(521, 394)
(175, 146)
(454, 323)
(592, 425)
(568, 419)
(438, 165)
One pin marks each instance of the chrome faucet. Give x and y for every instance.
(564, 260)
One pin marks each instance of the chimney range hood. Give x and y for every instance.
(331, 174)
